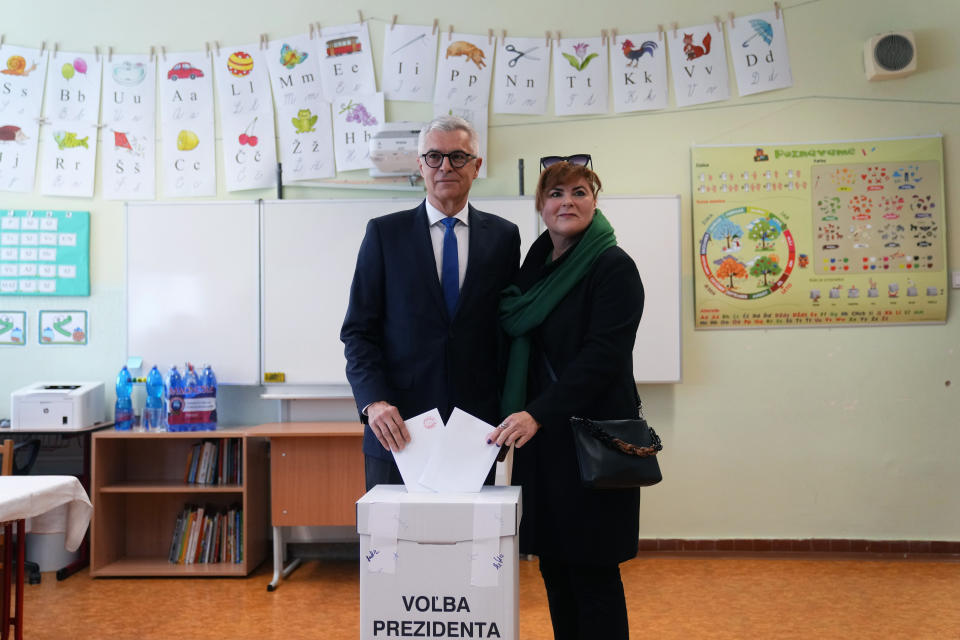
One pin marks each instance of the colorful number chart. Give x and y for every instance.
(44, 253)
(822, 234)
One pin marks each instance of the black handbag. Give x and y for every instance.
(614, 454)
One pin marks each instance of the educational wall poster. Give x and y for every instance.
(477, 117)
(638, 63)
(127, 160)
(186, 123)
(522, 76)
(303, 116)
(580, 78)
(72, 108)
(355, 119)
(44, 253)
(63, 327)
(758, 46)
(13, 328)
(23, 74)
(346, 64)
(464, 70)
(819, 234)
(409, 62)
(246, 118)
(698, 62)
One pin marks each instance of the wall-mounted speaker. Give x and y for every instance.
(890, 55)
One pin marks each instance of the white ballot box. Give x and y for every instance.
(438, 565)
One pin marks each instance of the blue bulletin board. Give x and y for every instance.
(44, 253)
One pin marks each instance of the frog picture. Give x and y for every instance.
(304, 121)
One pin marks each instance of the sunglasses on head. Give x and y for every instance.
(582, 159)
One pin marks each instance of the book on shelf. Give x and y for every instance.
(204, 534)
(214, 462)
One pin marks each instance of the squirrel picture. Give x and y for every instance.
(693, 51)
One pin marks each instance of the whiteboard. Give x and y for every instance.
(309, 252)
(193, 286)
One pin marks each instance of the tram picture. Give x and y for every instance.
(342, 46)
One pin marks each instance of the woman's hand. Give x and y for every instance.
(515, 430)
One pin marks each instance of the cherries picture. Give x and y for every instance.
(247, 136)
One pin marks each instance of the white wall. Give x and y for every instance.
(854, 434)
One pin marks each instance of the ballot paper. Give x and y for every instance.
(424, 432)
(462, 458)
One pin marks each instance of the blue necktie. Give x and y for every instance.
(450, 266)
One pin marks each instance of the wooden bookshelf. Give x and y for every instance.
(138, 488)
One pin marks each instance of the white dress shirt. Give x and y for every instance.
(461, 230)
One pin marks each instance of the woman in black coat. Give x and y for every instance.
(575, 308)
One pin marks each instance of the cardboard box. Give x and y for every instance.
(436, 565)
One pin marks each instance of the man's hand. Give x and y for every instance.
(385, 422)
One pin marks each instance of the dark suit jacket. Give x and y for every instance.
(400, 343)
(588, 339)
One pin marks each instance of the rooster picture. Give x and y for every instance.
(634, 55)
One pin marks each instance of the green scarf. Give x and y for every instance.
(521, 313)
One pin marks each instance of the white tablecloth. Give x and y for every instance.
(28, 497)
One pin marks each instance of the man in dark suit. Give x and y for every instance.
(422, 329)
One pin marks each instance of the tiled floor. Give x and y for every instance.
(668, 597)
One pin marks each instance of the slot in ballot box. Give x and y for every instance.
(438, 565)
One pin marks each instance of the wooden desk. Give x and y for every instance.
(316, 477)
(23, 497)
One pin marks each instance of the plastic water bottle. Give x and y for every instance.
(191, 383)
(175, 417)
(123, 411)
(153, 411)
(209, 383)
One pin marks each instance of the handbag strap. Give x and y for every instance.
(553, 374)
(616, 443)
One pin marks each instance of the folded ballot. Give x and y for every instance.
(450, 458)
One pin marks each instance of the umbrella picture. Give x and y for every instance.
(761, 28)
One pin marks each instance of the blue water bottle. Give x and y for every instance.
(153, 411)
(209, 383)
(175, 417)
(123, 411)
(191, 383)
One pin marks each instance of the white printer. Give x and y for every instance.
(57, 406)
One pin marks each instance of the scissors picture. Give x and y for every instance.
(512, 49)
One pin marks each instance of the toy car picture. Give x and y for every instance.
(184, 70)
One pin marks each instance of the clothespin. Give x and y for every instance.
(311, 30)
(3, 37)
(216, 44)
(394, 23)
(360, 15)
(614, 32)
(718, 23)
(163, 52)
(503, 35)
(489, 36)
(207, 44)
(547, 43)
(96, 53)
(603, 36)
(450, 34)
(675, 27)
(731, 16)
(109, 54)
(264, 42)
(559, 36)
(153, 52)
(43, 47)
(660, 32)
(776, 6)
(436, 25)
(56, 49)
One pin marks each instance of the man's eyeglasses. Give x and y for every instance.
(582, 159)
(458, 159)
